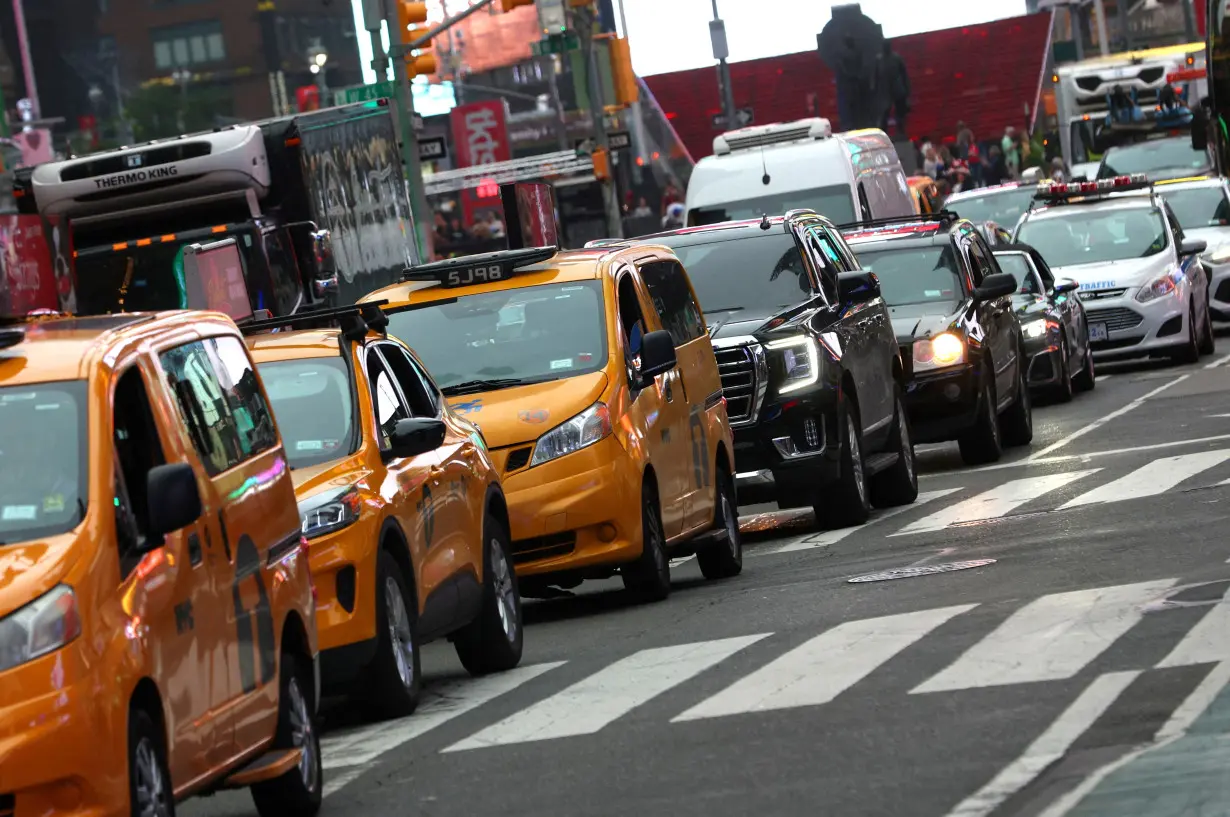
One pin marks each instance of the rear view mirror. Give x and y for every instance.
(657, 355)
(857, 287)
(416, 435)
(995, 286)
(1193, 246)
(174, 500)
(1063, 285)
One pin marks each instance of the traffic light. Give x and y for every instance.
(623, 77)
(409, 14)
(422, 61)
(508, 5)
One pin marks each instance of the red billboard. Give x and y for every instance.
(27, 273)
(480, 137)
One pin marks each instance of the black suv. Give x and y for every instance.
(962, 346)
(810, 367)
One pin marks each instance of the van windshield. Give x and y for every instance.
(42, 459)
(313, 403)
(835, 202)
(509, 337)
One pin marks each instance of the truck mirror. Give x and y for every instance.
(322, 245)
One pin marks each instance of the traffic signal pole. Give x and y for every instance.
(583, 23)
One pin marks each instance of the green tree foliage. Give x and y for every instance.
(162, 111)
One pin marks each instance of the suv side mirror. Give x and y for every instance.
(995, 286)
(1193, 246)
(174, 500)
(857, 287)
(1063, 285)
(416, 435)
(657, 355)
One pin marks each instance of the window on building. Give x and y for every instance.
(192, 44)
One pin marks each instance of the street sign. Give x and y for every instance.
(363, 93)
(620, 140)
(743, 118)
(432, 148)
(555, 44)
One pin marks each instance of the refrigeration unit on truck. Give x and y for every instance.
(1120, 99)
(315, 202)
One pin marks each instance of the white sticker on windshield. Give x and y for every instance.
(310, 445)
(14, 513)
(565, 363)
(932, 293)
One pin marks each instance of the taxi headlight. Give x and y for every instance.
(329, 511)
(944, 350)
(1034, 329)
(44, 625)
(1159, 287)
(800, 361)
(582, 431)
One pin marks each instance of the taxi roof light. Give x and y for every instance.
(489, 267)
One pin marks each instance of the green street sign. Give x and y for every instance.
(363, 93)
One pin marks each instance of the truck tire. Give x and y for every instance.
(897, 485)
(846, 502)
(493, 641)
(981, 443)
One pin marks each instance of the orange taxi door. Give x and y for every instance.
(233, 433)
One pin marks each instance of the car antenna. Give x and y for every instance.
(766, 178)
(764, 222)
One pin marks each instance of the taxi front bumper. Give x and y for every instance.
(1135, 329)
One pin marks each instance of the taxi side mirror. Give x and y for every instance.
(416, 435)
(174, 500)
(657, 355)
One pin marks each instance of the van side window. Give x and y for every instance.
(673, 298)
(386, 397)
(138, 449)
(631, 323)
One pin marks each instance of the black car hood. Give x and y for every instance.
(911, 321)
(723, 324)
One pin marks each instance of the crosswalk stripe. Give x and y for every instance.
(1050, 638)
(1155, 478)
(995, 502)
(592, 703)
(439, 705)
(1207, 642)
(832, 537)
(821, 669)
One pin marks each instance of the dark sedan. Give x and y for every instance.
(1052, 322)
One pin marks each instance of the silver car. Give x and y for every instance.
(1203, 207)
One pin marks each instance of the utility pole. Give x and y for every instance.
(721, 51)
(27, 64)
(638, 124)
(583, 24)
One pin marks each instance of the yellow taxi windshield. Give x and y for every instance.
(491, 340)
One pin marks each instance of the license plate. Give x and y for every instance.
(1097, 331)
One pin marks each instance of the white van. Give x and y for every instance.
(770, 169)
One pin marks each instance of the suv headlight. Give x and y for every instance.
(1034, 329)
(44, 625)
(1159, 287)
(800, 361)
(329, 511)
(582, 431)
(939, 352)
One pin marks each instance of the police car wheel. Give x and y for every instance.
(981, 443)
(897, 484)
(723, 560)
(1189, 350)
(493, 641)
(649, 577)
(1207, 341)
(846, 502)
(298, 792)
(395, 672)
(1018, 419)
(149, 781)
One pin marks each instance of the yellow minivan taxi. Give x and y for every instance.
(593, 380)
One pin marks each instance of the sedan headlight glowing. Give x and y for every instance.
(42, 626)
(1034, 329)
(582, 431)
(329, 511)
(1159, 287)
(800, 361)
(943, 350)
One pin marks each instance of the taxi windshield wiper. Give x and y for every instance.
(727, 309)
(471, 386)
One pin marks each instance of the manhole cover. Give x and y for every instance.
(920, 570)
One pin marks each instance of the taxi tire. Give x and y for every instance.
(1189, 351)
(482, 645)
(1086, 378)
(289, 795)
(982, 443)
(725, 560)
(144, 737)
(388, 697)
(648, 578)
(1017, 422)
(846, 502)
(898, 484)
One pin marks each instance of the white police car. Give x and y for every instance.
(1141, 281)
(1202, 204)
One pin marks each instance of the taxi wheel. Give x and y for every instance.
(149, 782)
(981, 443)
(1086, 378)
(722, 561)
(493, 641)
(1189, 350)
(1018, 419)
(649, 577)
(298, 792)
(846, 502)
(1207, 342)
(396, 675)
(897, 485)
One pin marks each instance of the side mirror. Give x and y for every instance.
(657, 355)
(1193, 246)
(324, 287)
(995, 286)
(857, 287)
(322, 246)
(1063, 285)
(416, 435)
(174, 500)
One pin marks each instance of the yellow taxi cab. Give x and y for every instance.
(157, 633)
(925, 194)
(399, 500)
(592, 377)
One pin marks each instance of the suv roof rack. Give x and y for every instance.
(353, 320)
(942, 217)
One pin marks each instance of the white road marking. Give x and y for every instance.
(1049, 639)
(592, 703)
(1175, 727)
(1157, 477)
(1084, 457)
(1102, 377)
(683, 561)
(819, 670)
(1096, 424)
(1218, 362)
(1049, 747)
(994, 503)
(1205, 643)
(832, 537)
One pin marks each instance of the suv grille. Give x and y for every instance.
(737, 367)
(1115, 318)
(1099, 294)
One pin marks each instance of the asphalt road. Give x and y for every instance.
(1084, 671)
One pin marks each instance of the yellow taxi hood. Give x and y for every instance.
(524, 413)
(30, 569)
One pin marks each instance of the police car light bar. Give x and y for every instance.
(486, 268)
(1058, 191)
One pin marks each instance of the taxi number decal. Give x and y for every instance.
(248, 565)
(700, 457)
(458, 278)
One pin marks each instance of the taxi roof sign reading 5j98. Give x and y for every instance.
(1058, 191)
(487, 268)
